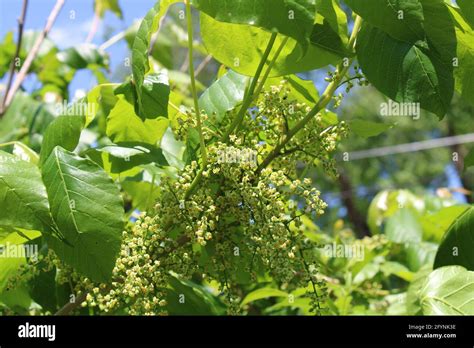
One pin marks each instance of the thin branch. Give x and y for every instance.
(21, 22)
(202, 143)
(250, 93)
(94, 27)
(203, 64)
(69, 307)
(33, 52)
(321, 104)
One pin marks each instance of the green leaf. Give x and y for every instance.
(141, 44)
(87, 208)
(403, 227)
(448, 291)
(367, 129)
(22, 195)
(419, 254)
(464, 70)
(396, 268)
(83, 55)
(23, 152)
(292, 18)
(197, 299)
(261, 294)
(143, 194)
(401, 19)
(223, 95)
(458, 243)
(469, 159)
(388, 202)
(405, 72)
(244, 52)
(7, 51)
(101, 6)
(467, 9)
(413, 292)
(436, 224)
(100, 98)
(334, 16)
(64, 131)
(129, 155)
(123, 125)
(155, 95)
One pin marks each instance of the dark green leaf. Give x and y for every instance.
(87, 208)
(408, 73)
(458, 243)
(401, 19)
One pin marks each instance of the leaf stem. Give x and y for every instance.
(323, 101)
(270, 67)
(192, 75)
(193, 84)
(250, 93)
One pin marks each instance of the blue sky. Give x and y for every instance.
(73, 25)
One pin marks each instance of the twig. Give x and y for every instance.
(94, 27)
(113, 40)
(203, 64)
(69, 307)
(21, 22)
(33, 52)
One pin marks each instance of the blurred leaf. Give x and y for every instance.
(7, 51)
(458, 242)
(101, 6)
(262, 293)
(80, 56)
(403, 227)
(413, 296)
(436, 224)
(367, 129)
(467, 9)
(386, 203)
(64, 131)
(469, 159)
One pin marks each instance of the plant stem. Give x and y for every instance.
(33, 52)
(321, 104)
(270, 66)
(21, 22)
(249, 96)
(202, 143)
